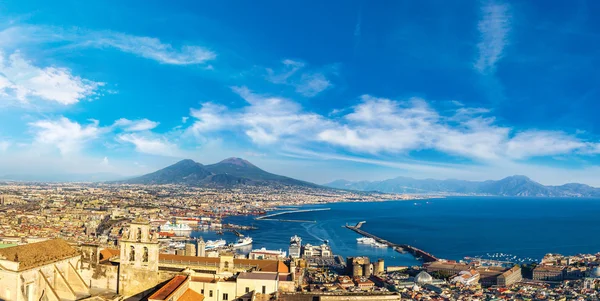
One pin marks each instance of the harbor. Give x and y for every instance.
(416, 252)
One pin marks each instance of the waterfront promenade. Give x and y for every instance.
(418, 253)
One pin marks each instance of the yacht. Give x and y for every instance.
(211, 244)
(242, 242)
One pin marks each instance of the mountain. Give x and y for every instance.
(227, 173)
(510, 186)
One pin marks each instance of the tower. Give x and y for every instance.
(190, 249)
(139, 258)
(201, 252)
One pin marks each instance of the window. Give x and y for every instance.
(225, 297)
(132, 254)
(139, 236)
(210, 294)
(264, 289)
(202, 291)
(145, 256)
(247, 289)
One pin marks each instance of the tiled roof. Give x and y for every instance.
(39, 253)
(191, 295)
(164, 292)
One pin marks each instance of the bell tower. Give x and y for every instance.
(139, 250)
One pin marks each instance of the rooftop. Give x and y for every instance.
(39, 253)
(164, 292)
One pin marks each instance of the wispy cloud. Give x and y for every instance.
(151, 144)
(136, 125)
(150, 48)
(20, 79)
(306, 81)
(494, 28)
(143, 46)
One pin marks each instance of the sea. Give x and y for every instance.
(504, 228)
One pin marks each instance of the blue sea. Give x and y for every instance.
(450, 228)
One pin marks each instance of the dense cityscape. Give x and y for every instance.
(115, 242)
(337, 150)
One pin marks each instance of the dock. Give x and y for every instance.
(416, 252)
(268, 217)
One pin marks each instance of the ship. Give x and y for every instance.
(242, 242)
(211, 244)
(370, 241)
(295, 246)
(168, 227)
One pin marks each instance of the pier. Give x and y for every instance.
(268, 217)
(416, 252)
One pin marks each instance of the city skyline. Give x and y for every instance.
(315, 91)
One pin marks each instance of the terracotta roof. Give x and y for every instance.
(39, 253)
(191, 295)
(106, 254)
(265, 265)
(164, 292)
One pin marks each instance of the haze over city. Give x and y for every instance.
(312, 90)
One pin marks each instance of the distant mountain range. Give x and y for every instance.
(225, 174)
(510, 186)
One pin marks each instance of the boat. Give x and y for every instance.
(168, 227)
(211, 244)
(295, 246)
(242, 242)
(365, 240)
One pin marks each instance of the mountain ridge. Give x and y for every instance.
(517, 185)
(227, 173)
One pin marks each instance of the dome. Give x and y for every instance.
(423, 277)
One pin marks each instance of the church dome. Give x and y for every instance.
(423, 277)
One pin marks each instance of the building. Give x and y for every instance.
(548, 273)
(44, 270)
(323, 250)
(510, 277)
(467, 278)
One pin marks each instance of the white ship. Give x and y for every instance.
(370, 241)
(295, 246)
(242, 242)
(211, 244)
(365, 240)
(175, 227)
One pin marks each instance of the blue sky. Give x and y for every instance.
(317, 90)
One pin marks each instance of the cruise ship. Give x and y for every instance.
(242, 242)
(370, 241)
(175, 227)
(295, 246)
(211, 244)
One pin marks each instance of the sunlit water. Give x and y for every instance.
(448, 228)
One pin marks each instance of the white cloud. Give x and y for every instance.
(22, 80)
(184, 119)
(4, 145)
(494, 28)
(151, 144)
(379, 126)
(68, 136)
(312, 84)
(308, 83)
(150, 48)
(105, 161)
(136, 125)
(146, 47)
